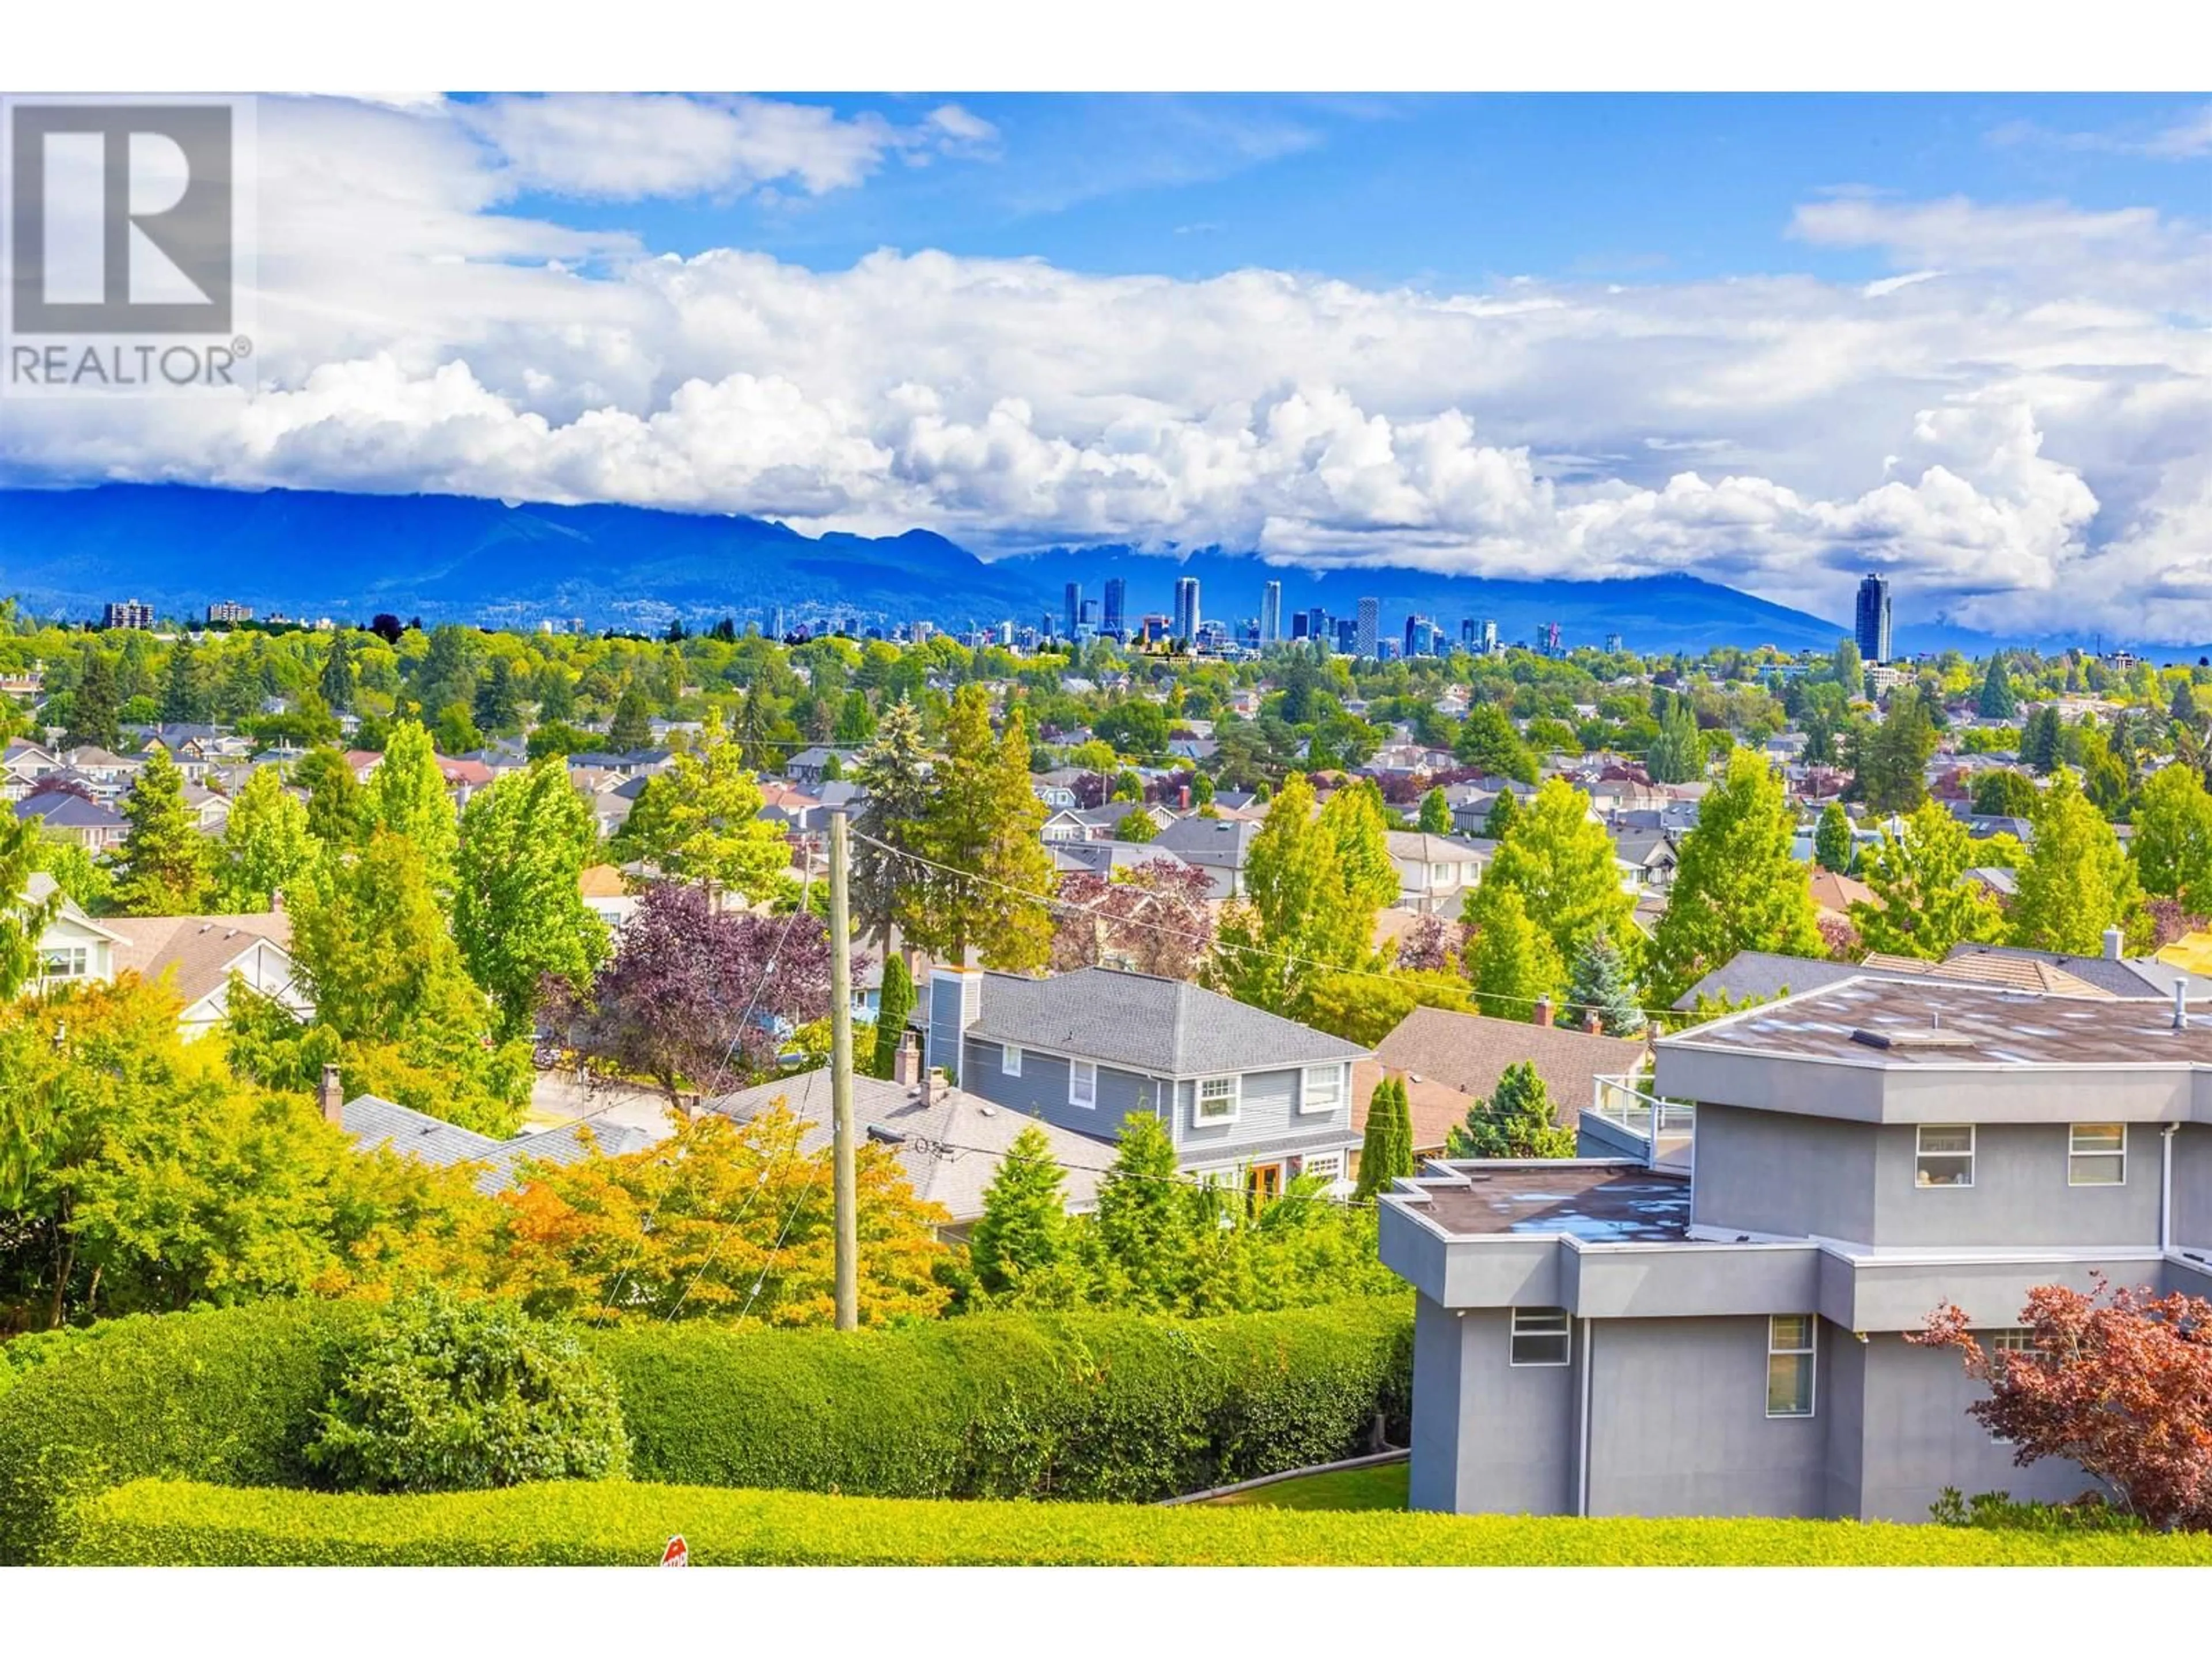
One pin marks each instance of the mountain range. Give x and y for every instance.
(467, 559)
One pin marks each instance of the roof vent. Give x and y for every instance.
(1913, 1037)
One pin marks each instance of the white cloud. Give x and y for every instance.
(2024, 441)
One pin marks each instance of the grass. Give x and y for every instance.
(1380, 1487)
(175, 1523)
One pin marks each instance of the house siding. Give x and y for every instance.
(1041, 1089)
(2019, 1195)
(1268, 1122)
(1765, 1172)
(1502, 1441)
(2193, 1186)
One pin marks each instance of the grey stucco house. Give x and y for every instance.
(1245, 1094)
(1601, 1337)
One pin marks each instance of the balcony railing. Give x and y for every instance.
(1664, 1127)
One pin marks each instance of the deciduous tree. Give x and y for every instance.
(1561, 862)
(1738, 887)
(2077, 882)
(1923, 904)
(266, 848)
(700, 821)
(406, 797)
(1511, 961)
(2172, 844)
(1833, 847)
(519, 915)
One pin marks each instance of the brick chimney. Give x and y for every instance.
(903, 1061)
(1183, 797)
(1543, 1014)
(330, 1095)
(1591, 1024)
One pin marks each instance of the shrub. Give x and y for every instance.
(2089, 1513)
(578, 1523)
(447, 1396)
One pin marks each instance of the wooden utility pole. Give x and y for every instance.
(841, 1080)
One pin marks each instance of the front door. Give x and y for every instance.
(1264, 1181)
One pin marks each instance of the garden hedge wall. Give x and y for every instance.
(1090, 1405)
(162, 1523)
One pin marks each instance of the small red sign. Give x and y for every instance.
(677, 1554)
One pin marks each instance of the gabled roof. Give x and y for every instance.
(199, 950)
(374, 1122)
(1450, 1059)
(1209, 840)
(1429, 849)
(2144, 976)
(1167, 1027)
(60, 810)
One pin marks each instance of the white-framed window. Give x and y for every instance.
(2003, 1345)
(1541, 1336)
(1439, 874)
(1010, 1059)
(1217, 1100)
(1943, 1155)
(1329, 1166)
(67, 962)
(1083, 1083)
(2096, 1155)
(1321, 1090)
(1790, 1353)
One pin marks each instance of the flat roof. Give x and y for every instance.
(1933, 1023)
(1601, 1203)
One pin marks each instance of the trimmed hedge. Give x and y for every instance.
(165, 1524)
(1091, 1406)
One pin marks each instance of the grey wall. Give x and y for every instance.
(2192, 1187)
(1041, 1089)
(1267, 1120)
(1679, 1423)
(1511, 1442)
(942, 1035)
(1433, 1478)
(1774, 1172)
(2020, 1195)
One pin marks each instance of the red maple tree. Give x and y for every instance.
(2119, 1381)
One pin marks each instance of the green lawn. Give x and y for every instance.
(1382, 1487)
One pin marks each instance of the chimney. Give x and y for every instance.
(902, 1061)
(1591, 1022)
(929, 1084)
(688, 1103)
(2181, 1005)
(2113, 938)
(1543, 1014)
(1183, 797)
(330, 1095)
(277, 901)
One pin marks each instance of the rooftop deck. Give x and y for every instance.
(1606, 1203)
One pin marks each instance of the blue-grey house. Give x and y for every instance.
(1239, 1089)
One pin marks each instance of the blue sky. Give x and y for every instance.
(1438, 191)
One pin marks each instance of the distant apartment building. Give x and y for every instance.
(1186, 617)
(1348, 637)
(1155, 628)
(126, 613)
(1116, 619)
(227, 611)
(1613, 644)
(1367, 626)
(1071, 610)
(1874, 619)
(1423, 637)
(1489, 639)
(1270, 614)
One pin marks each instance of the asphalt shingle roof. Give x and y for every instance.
(1167, 1027)
(374, 1122)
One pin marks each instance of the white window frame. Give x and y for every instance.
(1334, 1070)
(1540, 1326)
(1810, 1354)
(2096, 1156)
(1921, 1153)
(1199, 1116)
(58, 962)
(1084, 1099)
(1322, 1163)
(1010, 1059)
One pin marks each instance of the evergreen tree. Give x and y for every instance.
(336, 681)
(894, 1004)
(1738, 887)
(1561, 861)
(2183, 707)
(164, 856)
(518, 913)
(1678, 753)
(266, 846)
(1923, 904)
(498, 707)
(1436, 817)
(1487, 740)
(1601, 981)
(1833, 847)
(983, 820)
(856, 721)
(93, 710)
(2042, 743)
(1850, 669)
(893, 773)
(446, 673)
(631, 729)
(1516, 1120)
(1386, 1151)
(1498, 821)
(456, 731)
(1511, 961)
(2077, 881)
(1023, 1227)
(2172, 844)
(1889, 761)
(406, 795)
(556, 695)
(183, 701)
(338, 806)
(1142, 1219)
(1996, 701)
(2003, 793)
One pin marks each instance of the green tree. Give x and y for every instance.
(518, 913)
(1923, 903)
(1144, 1224)
(498, 705)
(266, 846)
(1511, 961)
(2077, 881)
(1738, 887)
(406, 795)
(1497, 822)
(164, 856)
(1385, 1152)
(1516, 1120)
(2042, 743)
(2004, 793)
(893, 772)
(1889, 761)
(2172, 844)
(1023, 1229)
(700, 821)
(336, 681)
(338, 806)
(1561, 862)
(183, 701)
(1996, 701)
(1600, 982)
(1678, 753)
(894, 1004)
(1436, 817)
(856, 721)
(94, 710)
(22, 921)
(983, 821)
(1849, 669)
(1487, 740)
(455, 733)
(1313, 884)
(631, 729)
(1833, 847)
(1136, 826)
